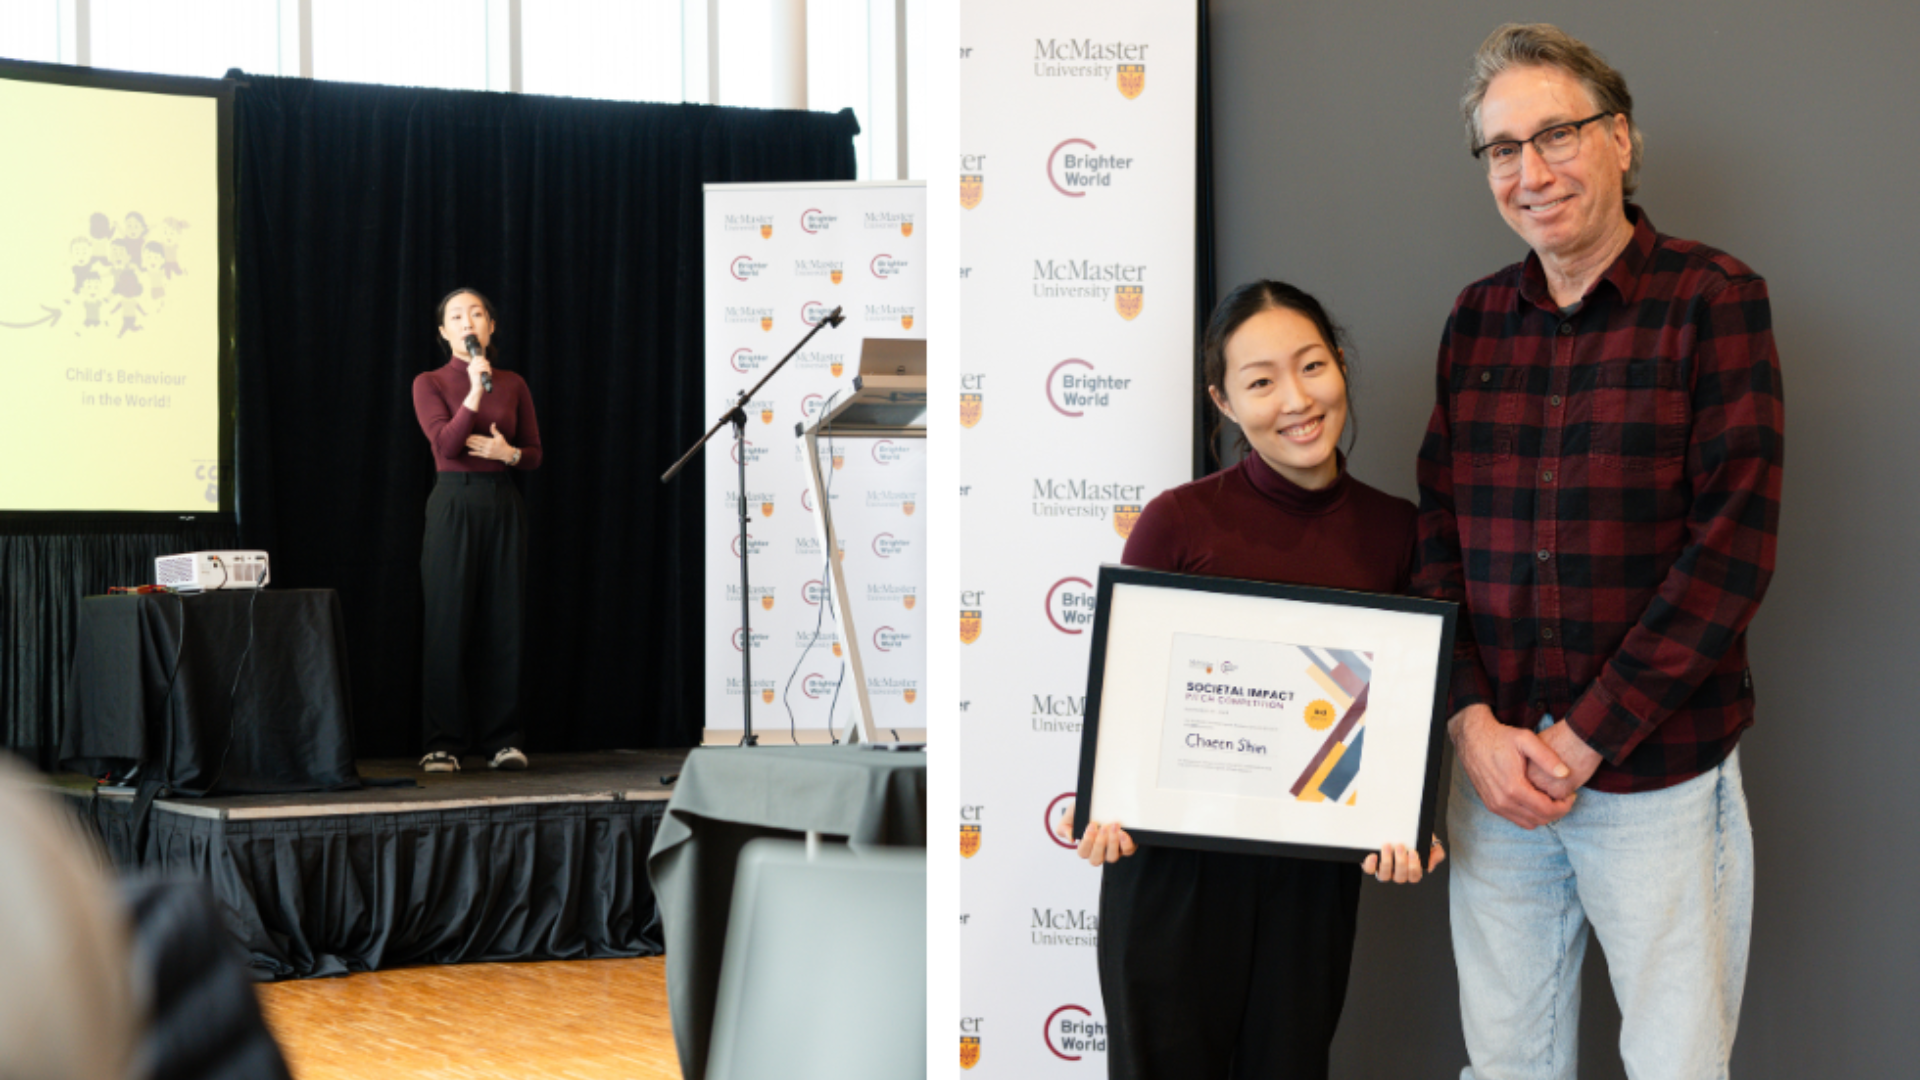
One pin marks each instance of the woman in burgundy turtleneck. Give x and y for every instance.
(1215, 964)
(473, 563)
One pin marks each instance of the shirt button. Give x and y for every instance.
(1554, 401)
(1547, 477)
(1566, 328)
(1544, 555)
(1546, 633)
(1486, 376)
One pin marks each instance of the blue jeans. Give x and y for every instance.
(1666, 880)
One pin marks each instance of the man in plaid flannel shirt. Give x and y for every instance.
(1599, 488)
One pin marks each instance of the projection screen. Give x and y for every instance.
(115, 292)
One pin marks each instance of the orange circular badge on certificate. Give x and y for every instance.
(1319, 715)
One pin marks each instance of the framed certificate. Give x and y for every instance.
(1272, 719)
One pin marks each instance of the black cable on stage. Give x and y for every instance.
(833, 734)
(233, 691)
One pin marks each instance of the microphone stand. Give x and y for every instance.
(737, 416)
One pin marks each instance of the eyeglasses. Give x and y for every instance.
(1555, 144)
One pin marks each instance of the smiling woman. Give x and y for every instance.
(1281, 374)
(1185, 995)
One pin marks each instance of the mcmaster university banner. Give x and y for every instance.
(779, 258)
(1077, 183)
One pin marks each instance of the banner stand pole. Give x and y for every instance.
(737, 417)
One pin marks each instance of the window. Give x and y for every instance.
(444, 43)
(41, 30)
(850, 51)
(203, 38)
(634, 51)
(627, 50)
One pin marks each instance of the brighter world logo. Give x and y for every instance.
(1070, 605)
(1074, 171)
(1073, 388)
(887, 452)
(1072, 1033)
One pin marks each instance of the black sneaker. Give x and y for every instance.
(441, 761)
(510, 759)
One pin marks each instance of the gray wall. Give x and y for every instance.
(1785, 133)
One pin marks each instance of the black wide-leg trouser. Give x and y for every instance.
(473, 566)
(1216, 966)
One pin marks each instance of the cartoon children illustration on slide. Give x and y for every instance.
(153, 264)
(130, 313)
(169, 239)
(93, 292)
(124, 268)
(126, 284)
(100, 227)
(133, 230)
(81, 252)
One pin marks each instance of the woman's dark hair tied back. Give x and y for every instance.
(1244, 303)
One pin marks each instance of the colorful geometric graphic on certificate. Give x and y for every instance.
(1345, 677)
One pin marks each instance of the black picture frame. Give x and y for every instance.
(1112, 575)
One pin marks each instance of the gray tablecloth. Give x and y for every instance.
(727, 796)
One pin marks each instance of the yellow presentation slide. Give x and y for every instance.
(109, 299)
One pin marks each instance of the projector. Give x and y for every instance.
(203, 571)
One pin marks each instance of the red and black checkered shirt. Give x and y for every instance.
(1600, 489)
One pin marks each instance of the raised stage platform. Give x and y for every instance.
(547, 864)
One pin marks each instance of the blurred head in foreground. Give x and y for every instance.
(67, 1004)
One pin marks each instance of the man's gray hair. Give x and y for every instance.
(1545, 45)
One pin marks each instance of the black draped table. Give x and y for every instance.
(727, 796)
(154, 684)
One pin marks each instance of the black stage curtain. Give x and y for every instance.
(318, 896)
(360, 207)
(1206, 455)
(42, 578)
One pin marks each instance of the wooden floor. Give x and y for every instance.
(580, 1019)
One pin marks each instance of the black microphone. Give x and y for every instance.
(473, 351)
(835, 318)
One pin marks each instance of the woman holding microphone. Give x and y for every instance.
(480, 424)
(1216, 965)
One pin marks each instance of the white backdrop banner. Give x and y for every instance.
(1077, 186)
(875, 487)
(779, 257)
